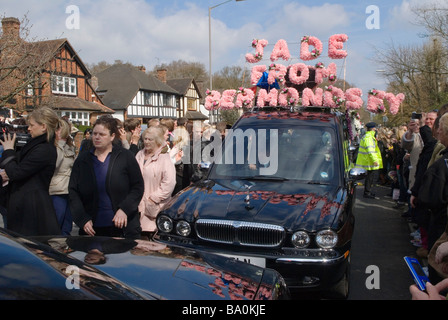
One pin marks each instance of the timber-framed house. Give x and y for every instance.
(61, 80)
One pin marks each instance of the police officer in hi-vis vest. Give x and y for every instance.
(369, 158)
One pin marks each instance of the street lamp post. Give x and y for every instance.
(210, 39)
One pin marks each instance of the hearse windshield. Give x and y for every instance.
(294, 153)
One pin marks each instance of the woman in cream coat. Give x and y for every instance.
(61, 177)
(159, 176)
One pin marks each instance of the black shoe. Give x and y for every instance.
(399, 206)
(369, 195)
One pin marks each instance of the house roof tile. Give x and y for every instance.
(77, 104)
(120, 84)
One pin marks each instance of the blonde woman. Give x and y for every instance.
(59, 183)
(159, 176)
(28, 173)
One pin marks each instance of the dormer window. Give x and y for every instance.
(63, 85)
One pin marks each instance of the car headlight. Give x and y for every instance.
(164, 223)
(300, 239)
(183, 228)
(326, 239)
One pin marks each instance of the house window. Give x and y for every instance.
(191, 104)
(165, 100)
(29, 90)
(63, 85)
(147, 98)
(79, 118)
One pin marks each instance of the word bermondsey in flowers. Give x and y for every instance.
(298, 73)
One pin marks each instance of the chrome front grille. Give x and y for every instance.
(240, 232)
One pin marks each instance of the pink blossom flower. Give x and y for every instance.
(304, 73)
(305, 54)
(280, 51)
(335, 44)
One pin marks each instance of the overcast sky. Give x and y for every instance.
(151, 32)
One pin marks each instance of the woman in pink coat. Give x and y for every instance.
(159, 176)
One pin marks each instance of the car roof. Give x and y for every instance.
(182, 273)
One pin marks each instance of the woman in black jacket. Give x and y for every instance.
(28, 174)
(106, 186)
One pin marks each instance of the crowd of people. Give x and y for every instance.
(120, 178)
(412, 160)
(114, 184)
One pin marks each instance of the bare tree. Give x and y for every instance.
(420, 72)
(22, 62)
(231, 78)
(182, 69)
(434, 17)
(95, 68)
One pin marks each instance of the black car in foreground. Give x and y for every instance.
(102, 268)
(280, 195)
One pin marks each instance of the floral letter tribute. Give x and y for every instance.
(258, 45)
(288, 97)
(322, 72)
(305, 54)
(244, 98)
(280, 51)
(212, 99)
(331, 97)
(335, 43)
(276, 71)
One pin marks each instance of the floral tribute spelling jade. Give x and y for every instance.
(298, 74)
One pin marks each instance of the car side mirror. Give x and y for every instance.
(357, 173)
(205, 165)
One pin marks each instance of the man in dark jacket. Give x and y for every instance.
(433, 190)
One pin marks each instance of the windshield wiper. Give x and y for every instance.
(317, 182)
(262, 177)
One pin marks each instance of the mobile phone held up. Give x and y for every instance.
(416, 116)
(417, 272)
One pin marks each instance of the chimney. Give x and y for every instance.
(94, 82)
(161, 75)
(11, 28)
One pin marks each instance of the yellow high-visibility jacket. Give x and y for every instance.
(369, 153)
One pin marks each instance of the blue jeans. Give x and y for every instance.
(404, 196)
(63, 213)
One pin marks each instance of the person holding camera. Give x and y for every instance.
(28, 174)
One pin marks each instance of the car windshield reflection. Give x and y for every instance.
(299, 153)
